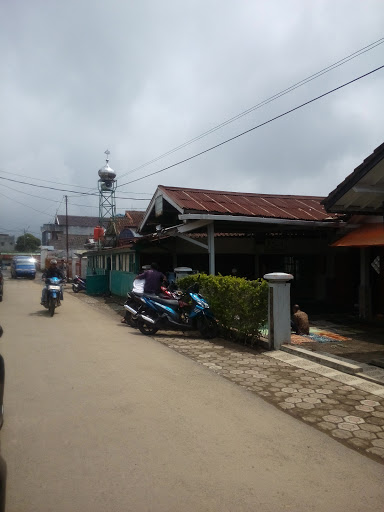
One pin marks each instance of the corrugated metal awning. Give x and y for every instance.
(366, 235)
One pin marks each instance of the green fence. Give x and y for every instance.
(97, 284)
(100, 281)
(121, 282)
(96, 271)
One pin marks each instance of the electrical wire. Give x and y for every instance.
(20, 230)
(96, 207)
(40, 179)
(256, 127)
(27, 194)
(10, 230)
(64, 190)
(302, 82)
(23, 204)
(58, 208)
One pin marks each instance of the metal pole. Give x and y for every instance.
(66, 226)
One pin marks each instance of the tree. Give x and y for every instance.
(27, 243)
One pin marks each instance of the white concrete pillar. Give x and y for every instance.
(279, 309)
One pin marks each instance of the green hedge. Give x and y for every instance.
(240, 306)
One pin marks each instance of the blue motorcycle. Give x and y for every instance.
(190, 312)
(53, 295)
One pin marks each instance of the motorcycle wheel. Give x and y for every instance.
(75, 288)
(129, 320)
(51, 306)
(207, 327)
(147, 329)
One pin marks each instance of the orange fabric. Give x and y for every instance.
(364, 236)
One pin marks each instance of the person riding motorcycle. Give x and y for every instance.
(52, 271)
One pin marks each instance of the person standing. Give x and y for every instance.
(63, 267)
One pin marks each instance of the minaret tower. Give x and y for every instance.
(107, 199)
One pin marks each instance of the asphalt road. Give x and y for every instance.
(99, 418)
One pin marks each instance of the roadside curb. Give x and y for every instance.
(338, 363)
(362, 370)
(356, 380)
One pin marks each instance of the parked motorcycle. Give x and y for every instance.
(189, 312)
(134, 305)
(53, 294)
(78, 284)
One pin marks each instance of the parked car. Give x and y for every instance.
(23, 266)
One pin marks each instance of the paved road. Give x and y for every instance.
(100, 418)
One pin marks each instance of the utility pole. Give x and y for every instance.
(66, 225)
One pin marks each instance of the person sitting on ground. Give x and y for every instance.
(153, 279)
(300, 322)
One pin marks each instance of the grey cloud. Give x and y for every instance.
(142, 78)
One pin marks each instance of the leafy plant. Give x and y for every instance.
(240, 306)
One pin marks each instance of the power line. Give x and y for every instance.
(65, 190)
(265, 102)
(58, 208)
(255, 127)
(27, 194)
(20, 230)
(10, 230)
(96, 207)
(47, 181)
(23, 204)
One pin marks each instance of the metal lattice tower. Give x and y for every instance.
(107, 200)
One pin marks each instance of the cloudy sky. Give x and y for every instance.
(142, 78)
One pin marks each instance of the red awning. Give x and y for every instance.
(364, 236)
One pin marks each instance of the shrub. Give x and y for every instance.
(240, 306)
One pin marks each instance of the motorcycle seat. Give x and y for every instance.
(166, 302)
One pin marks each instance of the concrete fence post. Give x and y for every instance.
(279, 309)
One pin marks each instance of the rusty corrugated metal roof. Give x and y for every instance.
(133, 218)
(79, 221)
(248, 204)
(367, 235)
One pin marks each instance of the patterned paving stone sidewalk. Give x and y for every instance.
(346, 413)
